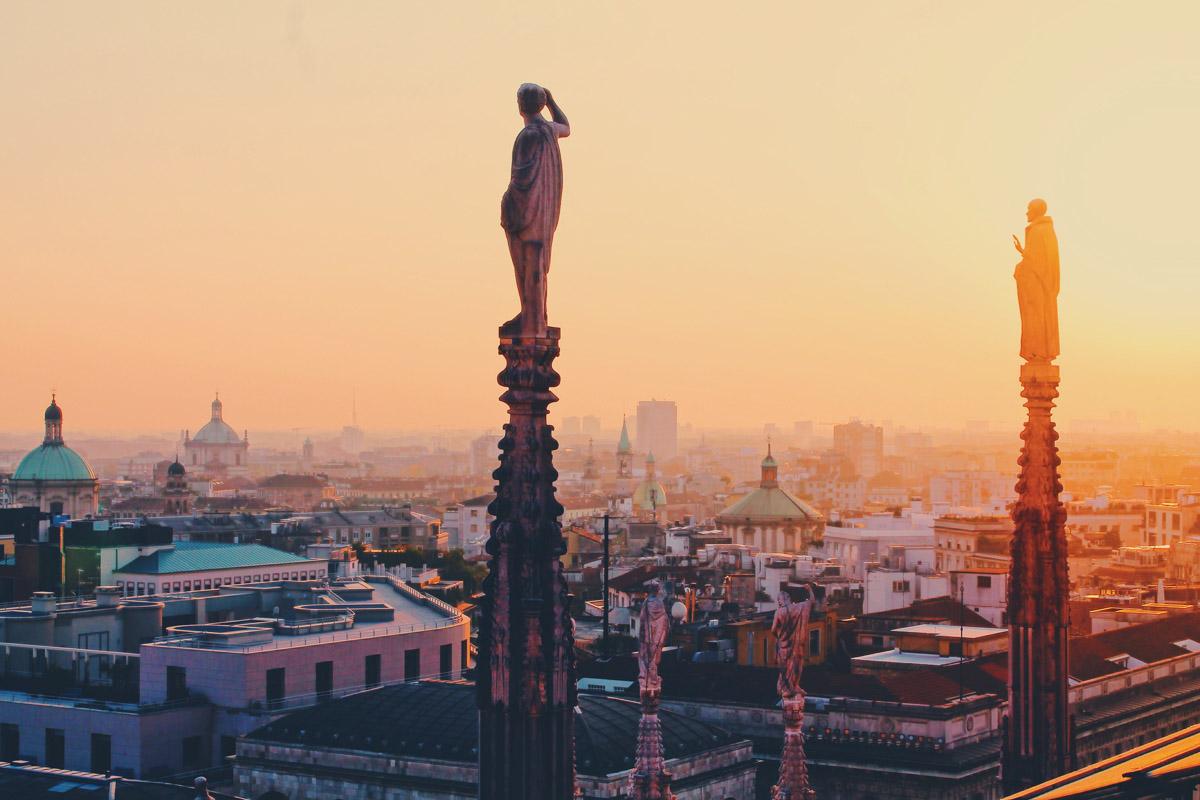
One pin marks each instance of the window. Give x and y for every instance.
(983, 582)
(324, 680)
(178, 586)
(208, 583)
(463, 655)
(275, 680)
(372, 667)
(446, 660)
(101, 753)
(412, 665)
(237, 579)
(150, 588)
(193, 752)
(56, 748)
(176, 683)
(814, 642)
(187, 586)
(901, 586)
(10, 742)
(275, 577)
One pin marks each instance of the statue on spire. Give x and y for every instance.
(790, 629)
(530, 207)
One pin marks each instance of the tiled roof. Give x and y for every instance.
(293, 482)
(1148, 642)
(771, 503)
(935, 609)
(440, 721)
(200, 556)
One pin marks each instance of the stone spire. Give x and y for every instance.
(1037, 734)
(526, 673)
(1037, 745)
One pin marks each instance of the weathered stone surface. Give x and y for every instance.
(526, 675)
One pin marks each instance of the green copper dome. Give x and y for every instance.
(53, 462)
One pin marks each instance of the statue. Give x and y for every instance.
(530, 206)
(654, 626)
(790, 629)
(1037, 285)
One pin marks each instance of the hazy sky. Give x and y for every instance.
(771, 214)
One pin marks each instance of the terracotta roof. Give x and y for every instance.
(935, 609)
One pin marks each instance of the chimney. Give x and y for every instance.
(106, 596)
(43, 603)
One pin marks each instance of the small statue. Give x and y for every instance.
(654, 626)
(1037, 285)
(790, 628)
(530, 206)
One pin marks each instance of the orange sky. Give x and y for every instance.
(801, 213)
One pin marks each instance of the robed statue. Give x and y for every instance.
(1037, 285)
(530, 206)
(790, 629)
(653, 627)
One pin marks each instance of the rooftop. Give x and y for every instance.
(439, 720)
(204, 556)
(350, 610)
(1148, 770)
(946, 631)
(19, 779)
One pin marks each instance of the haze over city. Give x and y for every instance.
(771, 215)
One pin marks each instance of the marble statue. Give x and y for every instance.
(790, 628)
(654, 625)
(1037, 285)
(530, 206)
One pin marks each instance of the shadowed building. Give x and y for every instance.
(421, 740)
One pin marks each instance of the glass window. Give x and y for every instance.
(10, 742)
(373, 669)
(412, 664)
(101, 753)
(150, 587)
(56, 748)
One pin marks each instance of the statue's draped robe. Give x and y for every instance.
(530, 206)
(652, 637)
(789, 630)
(1037, 291)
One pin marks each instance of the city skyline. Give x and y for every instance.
(266, 202)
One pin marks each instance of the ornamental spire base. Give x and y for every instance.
(650, 779)
(1037, 745)
(525, 679)
(793, 765)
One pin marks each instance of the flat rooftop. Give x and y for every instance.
(942, 631)
(905, 658)
(351, 610)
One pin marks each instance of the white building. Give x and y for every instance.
(855, 548)
(989, 491)
(984, 591)
(888, 589)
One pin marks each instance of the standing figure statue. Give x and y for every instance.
(655, 625)
(530, 206)
(790, 629)
(1037, 285)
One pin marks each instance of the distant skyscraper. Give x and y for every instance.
(591, 426)
(658, 428)
(862, 444)
(570, 426)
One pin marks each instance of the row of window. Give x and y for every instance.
(55, 749)
(1173, 519)
(276, 678)
(133, 588)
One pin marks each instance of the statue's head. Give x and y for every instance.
(531, 99)
(1036, 209)
(653, 587)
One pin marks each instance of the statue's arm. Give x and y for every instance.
(561, 126)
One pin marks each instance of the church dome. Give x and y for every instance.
(650, 495)
(53, 462)
(217, 430)
(176, 469)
